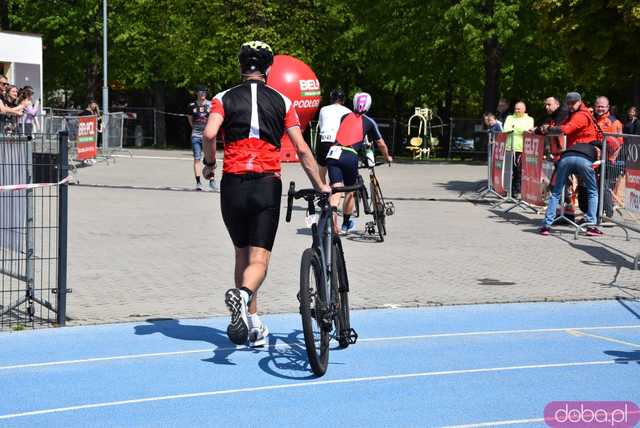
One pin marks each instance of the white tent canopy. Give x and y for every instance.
(21, 60)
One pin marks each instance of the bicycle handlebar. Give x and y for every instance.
(310, 194)
(366, 166)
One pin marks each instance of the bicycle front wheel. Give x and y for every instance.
(340, 286)
(313, 307)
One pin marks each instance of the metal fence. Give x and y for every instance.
(620, 181)
(115, 123)
(144, 127)
(467, 138)
(33, 230)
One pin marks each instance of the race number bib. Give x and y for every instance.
(334, 152)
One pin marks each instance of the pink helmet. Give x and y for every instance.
(361, 102)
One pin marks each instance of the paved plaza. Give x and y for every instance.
(143, 244)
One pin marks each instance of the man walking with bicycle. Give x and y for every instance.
(254, 117)
(342, 158)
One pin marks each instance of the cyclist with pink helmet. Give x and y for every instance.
(342, 158)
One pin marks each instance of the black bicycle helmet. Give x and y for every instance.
(337, 94)
(255, 56)
(201, 88)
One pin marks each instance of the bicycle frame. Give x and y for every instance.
(321, 231)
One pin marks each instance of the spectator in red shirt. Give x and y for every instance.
(582, 136)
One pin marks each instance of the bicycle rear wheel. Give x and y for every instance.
(364, 196)
(313, 307)
(340, 287)
(378, 209)
(356, 204)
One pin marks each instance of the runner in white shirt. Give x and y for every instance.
(328, 123)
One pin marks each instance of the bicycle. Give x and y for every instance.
(324, 284)
(377, 206)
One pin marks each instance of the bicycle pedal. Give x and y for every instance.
(370, 227)
(352, 336)
(327, 324)
(390, 209)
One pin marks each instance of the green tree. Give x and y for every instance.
(599, 39)
(72, 43)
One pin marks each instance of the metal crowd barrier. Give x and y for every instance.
(500, 170)
(619, 198)
(33, 230)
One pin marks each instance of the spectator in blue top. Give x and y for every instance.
(491, 124)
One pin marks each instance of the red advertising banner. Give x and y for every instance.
(87, 138)
(497, 163)
(533, 182)
(632, 173)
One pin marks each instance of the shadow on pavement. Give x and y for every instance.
(626, 304)
(513, 218)
(462, 186)
(287, 357)
(604, 254)
(362, 237)
(623, 357)
(172, 328)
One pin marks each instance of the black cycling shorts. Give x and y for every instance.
(344, 170)
(251, 208)
(321, 152)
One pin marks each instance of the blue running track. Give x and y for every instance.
(483, 365)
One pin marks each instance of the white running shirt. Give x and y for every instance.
(329, 121)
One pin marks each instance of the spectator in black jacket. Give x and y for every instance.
(503, 110)
(632, 126)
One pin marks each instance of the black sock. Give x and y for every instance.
(249, 292)
(197, 179)
(345, 218)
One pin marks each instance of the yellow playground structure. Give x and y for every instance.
(423, 143)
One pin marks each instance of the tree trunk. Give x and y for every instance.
(5, 24)
(93, 81)
(636, 90)
(447, 114)
(492, 65)
(159, 106)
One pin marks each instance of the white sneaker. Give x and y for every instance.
(238, 329)
(258, 336)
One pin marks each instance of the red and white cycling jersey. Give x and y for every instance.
(354, 128)
(255, 119)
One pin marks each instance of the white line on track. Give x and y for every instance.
(498, 423)
(605, 338)
(303, 385)
(516, 422)
(290, 344)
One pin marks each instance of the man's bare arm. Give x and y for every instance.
(307, 160)
(384, 149)
(209, 139)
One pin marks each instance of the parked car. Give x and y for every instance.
(462, 144)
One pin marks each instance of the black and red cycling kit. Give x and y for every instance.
(353, 131)
(255, 117)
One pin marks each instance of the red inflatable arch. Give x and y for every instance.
(299, 83)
